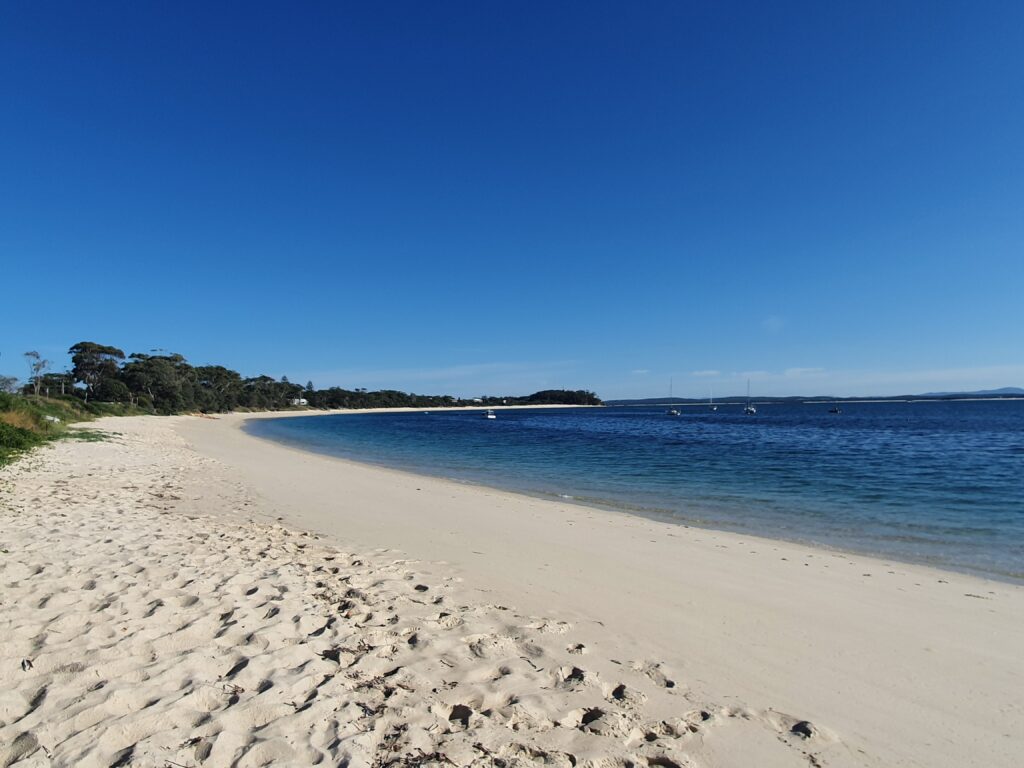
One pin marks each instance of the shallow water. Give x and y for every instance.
(934, 482)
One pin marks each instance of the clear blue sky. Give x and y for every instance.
(501, 197)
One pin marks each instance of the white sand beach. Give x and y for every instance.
(184, 594)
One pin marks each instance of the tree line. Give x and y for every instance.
(168, 383)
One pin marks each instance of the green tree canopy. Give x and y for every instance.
(92, 363)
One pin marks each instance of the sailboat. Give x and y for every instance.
(489, 414)
(671, 411)
(711, 400)
(749, 409)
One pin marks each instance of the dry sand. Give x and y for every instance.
(185, 594)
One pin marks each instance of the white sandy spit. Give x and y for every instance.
(226, 601)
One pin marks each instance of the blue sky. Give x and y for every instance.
(826, 198)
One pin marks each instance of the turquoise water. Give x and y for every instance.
(934, 482)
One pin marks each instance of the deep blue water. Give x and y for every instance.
(934, 482)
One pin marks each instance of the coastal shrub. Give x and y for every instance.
(21, 419)
(14, 440)
(29, 420)
(39, 413)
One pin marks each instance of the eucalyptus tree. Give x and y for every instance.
(37, 367)
(217, 388)
(167, 382)
(93, 363)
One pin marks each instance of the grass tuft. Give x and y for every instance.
(87, 435)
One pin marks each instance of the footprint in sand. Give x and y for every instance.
(654, 672)
(623, 694)
(571, 677)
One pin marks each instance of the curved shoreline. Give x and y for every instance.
(886, 654)
(624, 507)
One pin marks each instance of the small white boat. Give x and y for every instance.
(749, 409)
(489, 414)
(671, 411)
(711, 401)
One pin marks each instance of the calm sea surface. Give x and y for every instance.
(940, 483)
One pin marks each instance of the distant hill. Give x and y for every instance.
(1002, 392)
(718, 400)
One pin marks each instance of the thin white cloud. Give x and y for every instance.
(640, 371)
(796, 373)
(705, 374)
(944, 379)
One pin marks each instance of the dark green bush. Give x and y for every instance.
(13, 440)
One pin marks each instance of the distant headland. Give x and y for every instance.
(1004, 393)
(167, 384)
